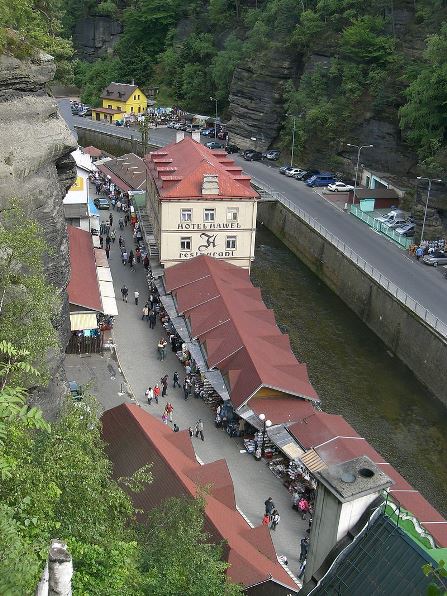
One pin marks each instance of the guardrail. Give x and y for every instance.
(412, 304)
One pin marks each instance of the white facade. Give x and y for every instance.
(221, 229)
(77, 211)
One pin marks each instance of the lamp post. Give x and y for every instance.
(215, 123)
(293, 141)
(430, 180)
(266, 424)
(359, 147)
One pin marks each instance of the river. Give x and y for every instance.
(353, 372)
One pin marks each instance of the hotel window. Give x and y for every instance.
(118, 108)
(231, 243)
(110, 107)
(232, 213)
(209, 214)
(139, 109)
(134, 97)
(185, 243)
(138, 97)
(186, 215)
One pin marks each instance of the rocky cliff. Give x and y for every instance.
(95, 37)
(36, 167)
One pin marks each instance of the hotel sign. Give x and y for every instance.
(209, 242)
(209, 226)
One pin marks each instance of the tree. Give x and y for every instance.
(363, 41)
(178, 557)
(29, 301)
(96, 76)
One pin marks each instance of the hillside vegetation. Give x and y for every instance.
(384, 57)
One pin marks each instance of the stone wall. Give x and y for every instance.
(36, 167)
(399, 328)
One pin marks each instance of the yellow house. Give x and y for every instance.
(119, 99)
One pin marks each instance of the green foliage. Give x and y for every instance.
(423, 118)
(364, 42)
(92, 78)
(29, 301)
(177, 555)
(438, 587)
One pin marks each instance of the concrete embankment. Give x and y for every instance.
(405, 334)
(109, 142)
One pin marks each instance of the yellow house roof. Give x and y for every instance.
(119, 91)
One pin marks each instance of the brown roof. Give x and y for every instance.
(118, 91)
(376, 193)
(107, 111)
(93, 151)
(238, 333)
(127, 171)
(135, 438)
(83, 288)
(178, 170)
(334, 440)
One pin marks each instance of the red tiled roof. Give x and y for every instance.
(136, 438)
(281, 409)
(238, 333)
(83, 288)
(178, 170)
(335, 441)
(93, 151)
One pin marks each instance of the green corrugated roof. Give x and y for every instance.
(384, 561)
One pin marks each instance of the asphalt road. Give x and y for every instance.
(425, 284)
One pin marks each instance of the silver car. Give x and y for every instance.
(436, 258)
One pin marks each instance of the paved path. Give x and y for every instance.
(137, 356)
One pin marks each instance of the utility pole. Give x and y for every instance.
(144, 130)
(359, 148)
(215, 123)
(430, 180)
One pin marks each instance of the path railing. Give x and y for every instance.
(380, 227)
(391, 287)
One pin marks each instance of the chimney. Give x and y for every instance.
(210, 184)
(133, 81)
(180, 135)
(196, 136)
(344, 493)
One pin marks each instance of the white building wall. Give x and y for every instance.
(351, 513)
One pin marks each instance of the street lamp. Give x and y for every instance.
(215, 124)
(359, 147)
(430, 180)
(266, 425)
(292, 150)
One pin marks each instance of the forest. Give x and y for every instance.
(385, 57)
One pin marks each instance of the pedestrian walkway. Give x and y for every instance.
(136, 346)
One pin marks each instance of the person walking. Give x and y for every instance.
(138, 254)
(275, 519)
(124, 257)
(146, 262)
(131, 259)
(419, 252)
(191, 432)
(266, 520)
(121, 242)
(107, 251)
(164, 417)
(199, 429)
(111, 219)
(152, 320)
(165, 343)
(303, 507)
(108, 241)
(304, 543)
(160, 349)
(124, 292)
(176, 428)
(269, 506)
(156, 393)
(186, 389)
(113, 236)
(164, 384)
(145, 312)
(149, 393)
(136, 295)
(176, 380)
(169, 411)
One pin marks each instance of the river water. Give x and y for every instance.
(353, 372)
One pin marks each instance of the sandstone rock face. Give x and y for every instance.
(95, 37)
(36, 167)
(256, 103)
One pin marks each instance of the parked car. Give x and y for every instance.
(308, 174)
(251, 155)
(436, 258)
(232, 149)
(213, 145)
(397, 223)
(101, 203)
(273, 154)
(170, 125)
(208, 132)
(298, 176)
(323, 179)
(293, 171)
(284, 169)
(340, 187)
(407, 230)
(390, 216)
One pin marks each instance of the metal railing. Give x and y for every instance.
(412, 304)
